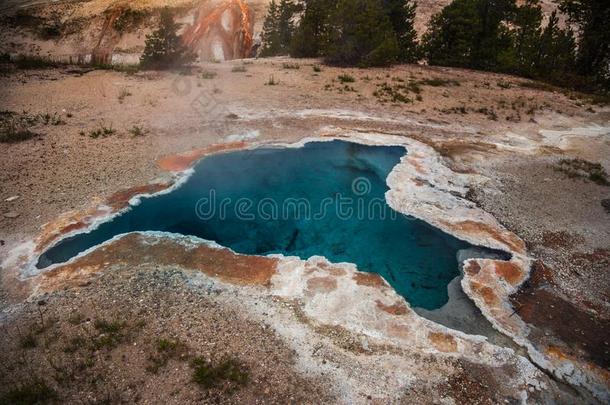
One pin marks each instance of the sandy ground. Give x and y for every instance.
(560, 218)
(126, 363)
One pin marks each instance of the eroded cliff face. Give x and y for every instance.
(107, 32)
(221, 30)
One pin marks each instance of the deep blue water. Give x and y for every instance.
(326, 198)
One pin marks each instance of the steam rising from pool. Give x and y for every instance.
(326, 198)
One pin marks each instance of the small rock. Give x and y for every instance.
(11, 214)
(12, 198)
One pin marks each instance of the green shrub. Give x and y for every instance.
(398, 93)
(239, 69)
(537, 86)
(15, 128)
(14, 135)
(208, 75)
(28, 341)
(106, 326)
(581, 168)
(272, 81)
(438, 82)
(504, 85)
(490, 113)
(34, 392)
(606, 205)
(123, 94)
(102, 132)
(109, 333)
(137, 131)
(346, 78)
(166, 349)
(30, 62)
(209, 375)
(49, 119)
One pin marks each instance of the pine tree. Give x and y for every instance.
(492, 36)
(286, 13)
(402, 15)
(312, 35)
(450, 37)
(163, 47)
(278, 28)
(593, 58)
(271, 31)
(361, 34)
(527, 38)
(556, 51)
(497, 35)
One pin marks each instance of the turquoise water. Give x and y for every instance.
(326, 198)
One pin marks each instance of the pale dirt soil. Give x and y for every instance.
(62, 170)
(59, 337)
(94, 364)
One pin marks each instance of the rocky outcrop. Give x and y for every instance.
(113, 32)
(221, 30)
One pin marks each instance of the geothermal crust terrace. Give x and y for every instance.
(323, 295)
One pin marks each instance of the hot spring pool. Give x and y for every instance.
(326, 198)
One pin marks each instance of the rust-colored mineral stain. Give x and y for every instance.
(311, 268)
(134, 249)
(233, 268)
(120, 199)
(472, 267)
(598, 256)
(485, 292)
(46, 238)
(69, 276)
(417, 165)
(557, 353)
(78, 272)
(559, 239)
(108, 39)
(335, 271)
(398, 330)
(183, 161)
(540, 274)
(66, 223)
(397, 308)
(509, 271)
(454, 148)
(321, 285)
(546, 311)
(443, 342)
(79, 220)
(369, 279)
(476, 228)
(210, 30)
